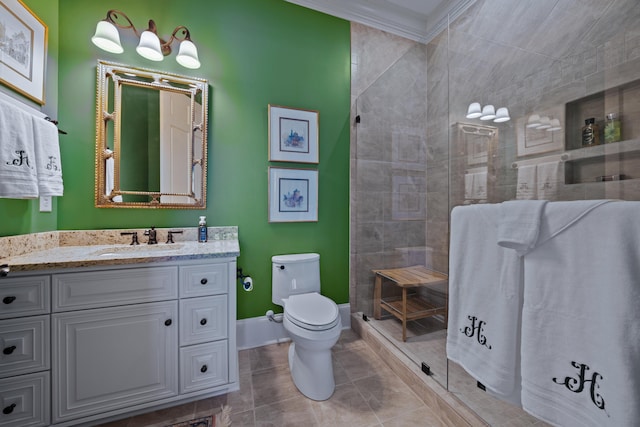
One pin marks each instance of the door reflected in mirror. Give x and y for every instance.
(151, 138)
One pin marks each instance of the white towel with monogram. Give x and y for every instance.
(580, 318)
(526, 186)
(18, 173)
(47, 150)
(485, 297)
(548, 177)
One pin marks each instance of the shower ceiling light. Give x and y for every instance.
(150, 46)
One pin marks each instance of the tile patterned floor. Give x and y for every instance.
(367, 394)
(426, 341)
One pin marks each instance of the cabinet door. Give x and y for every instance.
(112, 358)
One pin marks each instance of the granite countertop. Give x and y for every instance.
(71, 249)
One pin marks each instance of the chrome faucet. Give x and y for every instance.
(153, 237)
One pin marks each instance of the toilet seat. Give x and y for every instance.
(312, 311)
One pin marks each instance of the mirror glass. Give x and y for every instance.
(151, 138)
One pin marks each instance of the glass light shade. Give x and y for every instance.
(502, 115)
(107, 37)
(188, 55)
(473, 112)
(149, 47)
(545, 123)
(534, 121)
(555, 125)
(488, 112)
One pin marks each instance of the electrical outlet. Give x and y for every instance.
(45, 204)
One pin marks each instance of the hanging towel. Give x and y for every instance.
(18, 173)
(527, 183)
(580, 319)
(480, 186)
(109, 177)
(548, 176)
(47, 151)
(520, 224)
(468, 186)
(485, 296)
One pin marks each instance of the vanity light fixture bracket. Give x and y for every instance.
(151, 46)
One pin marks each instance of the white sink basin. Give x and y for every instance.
(137, 249)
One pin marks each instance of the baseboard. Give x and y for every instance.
(259, 331)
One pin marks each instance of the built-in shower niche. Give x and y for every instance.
(608, 161)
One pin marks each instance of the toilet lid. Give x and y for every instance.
(311, 311)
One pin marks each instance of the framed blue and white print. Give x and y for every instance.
(293, 195)
(293, 135)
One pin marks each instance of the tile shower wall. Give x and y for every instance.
(530, 56)
(407, 164)
(388, 157)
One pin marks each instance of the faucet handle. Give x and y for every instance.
(170, 235)
(134, 236)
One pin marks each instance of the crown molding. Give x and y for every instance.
(390, 17)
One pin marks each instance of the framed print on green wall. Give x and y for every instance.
(293, 135)
(23, 49)
(293, 195)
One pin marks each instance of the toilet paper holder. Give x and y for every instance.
(246, 280)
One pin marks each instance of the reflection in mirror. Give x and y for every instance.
(151, 138)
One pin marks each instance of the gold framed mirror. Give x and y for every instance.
(151, 138)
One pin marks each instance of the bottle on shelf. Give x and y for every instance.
(612, 129)
(590, 133)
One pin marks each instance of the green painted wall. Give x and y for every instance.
(253, 52)
(23, 216)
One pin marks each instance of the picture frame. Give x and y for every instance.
(293, 195)
(23, 50)
(533, 141)
(293, 135)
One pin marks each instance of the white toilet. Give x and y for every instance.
(311, 320)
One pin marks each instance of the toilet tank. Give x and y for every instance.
(294, 274)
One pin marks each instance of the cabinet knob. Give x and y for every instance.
(8, 300)
(8, 350)
(203, 322)
(9, 409)
(203, 369)
(203, 281)
(167, 322)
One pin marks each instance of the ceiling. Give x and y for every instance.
(419, 20)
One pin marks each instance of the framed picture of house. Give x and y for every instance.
(293, 135)
(293, 195)
(23, 50)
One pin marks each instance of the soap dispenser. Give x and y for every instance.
(202, 229)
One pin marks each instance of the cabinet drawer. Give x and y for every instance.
(203, 319)
(203, 366)
(72, 291)
(200, 280)
(25, 345)
(24, 296)
(26, 399)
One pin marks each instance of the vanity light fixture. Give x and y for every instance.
(488, 112)
(151, 46)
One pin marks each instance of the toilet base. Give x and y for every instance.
(312, 372)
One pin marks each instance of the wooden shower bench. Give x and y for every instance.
(408, 306)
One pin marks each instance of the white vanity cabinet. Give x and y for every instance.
(24, 351)
(117, 340)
